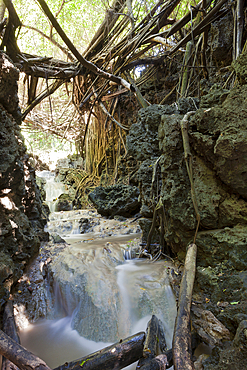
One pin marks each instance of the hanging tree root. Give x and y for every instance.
(188, 162)
(182, 356)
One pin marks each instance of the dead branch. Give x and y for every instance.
(182, 356)
(157, 363)
(50, 38)
(17, 354)
(107, 113)
(9, 328)
(116, 356)
(240, 25)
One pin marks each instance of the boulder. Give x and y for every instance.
(114, 200)
(64, 203)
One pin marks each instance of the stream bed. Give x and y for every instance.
(88, 288)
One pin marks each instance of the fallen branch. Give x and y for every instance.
(154, 345)
(117, 356)
(9, 328)
(181, 348)
(158, 363)
(17, 354)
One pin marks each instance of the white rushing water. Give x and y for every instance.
(52, 188)
(97, 291)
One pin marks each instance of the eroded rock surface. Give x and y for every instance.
(117, 199)
(20, 202)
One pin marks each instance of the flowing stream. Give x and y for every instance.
(99, 296)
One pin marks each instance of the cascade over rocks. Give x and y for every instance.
(21, 223)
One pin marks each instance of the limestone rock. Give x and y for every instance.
(64, 203)
(239, 66)
(20, 203)
(117, 199)
(210, 329)
(219, 135)
(142, 140)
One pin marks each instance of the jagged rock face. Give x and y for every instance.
(117, 199)
(218, 141)
(220, 39)
(220, 135)
(239, 66)
(20, 203)
(143, 144)
(142, 141)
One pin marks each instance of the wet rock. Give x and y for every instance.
(72, 161)
(56, 238)
(64, 203)
(37, 164)
(87, 224)
(41, 184)
(117, 199)
(208, 327)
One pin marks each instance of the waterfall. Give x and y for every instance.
(52, 188)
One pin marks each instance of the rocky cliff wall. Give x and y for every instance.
(21, 223)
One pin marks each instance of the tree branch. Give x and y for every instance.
(92, 67)
(17, 354)
(54, 42)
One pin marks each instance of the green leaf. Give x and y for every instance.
(234, 302)
(83, 362)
